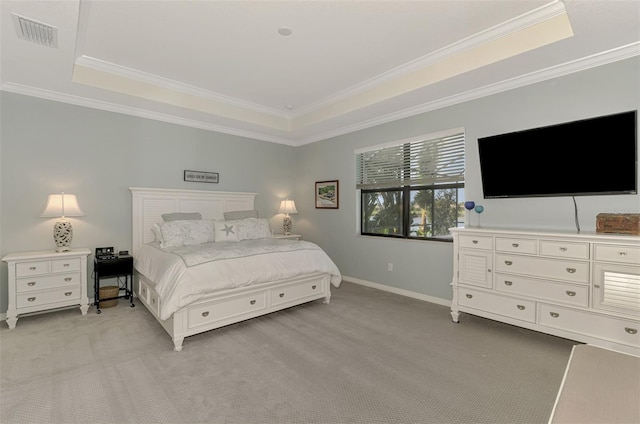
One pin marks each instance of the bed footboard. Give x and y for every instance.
(230, 306)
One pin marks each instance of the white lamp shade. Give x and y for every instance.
(61, 205)
(288, 206)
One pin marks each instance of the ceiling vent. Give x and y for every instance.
(35, 31)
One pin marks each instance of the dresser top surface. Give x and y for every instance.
(586, 235)
(45, 254)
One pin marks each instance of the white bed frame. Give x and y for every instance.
(223, 307)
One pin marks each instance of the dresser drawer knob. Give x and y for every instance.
(469, 296)
(521, 307)
(68, 279)
(31, 283)
(631, 330)
(313, 287)
(622, 253)
(65, 265)
(571, 270)
(205, 314)
(253, 302)
(563, 249)
(570, 293)
(508, 263)
(68, 293)
(32, 268)
(281, 295)
(31, 299)
(474, 241)
(153, 300)
(515, 245)
(508, 283)
(554, 314)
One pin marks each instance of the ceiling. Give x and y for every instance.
(346, 65)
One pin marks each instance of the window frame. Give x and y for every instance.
(403, 185)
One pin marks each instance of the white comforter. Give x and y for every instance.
(185, 274)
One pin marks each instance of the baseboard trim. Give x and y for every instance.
(395, 290)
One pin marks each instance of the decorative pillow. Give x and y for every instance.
(233, 215)
(254, 228)
(227, 231)
(184, 233)
(181, 216)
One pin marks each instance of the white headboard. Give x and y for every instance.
(148, 205)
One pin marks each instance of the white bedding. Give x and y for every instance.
(185, 274)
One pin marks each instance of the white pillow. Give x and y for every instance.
(254, 228)
(226, 231)
(185, 233)
(157, 233)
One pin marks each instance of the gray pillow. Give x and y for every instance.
(233, 215)
(181, 216)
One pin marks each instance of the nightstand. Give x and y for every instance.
(46, 280)
(288, 236)
(115, 266)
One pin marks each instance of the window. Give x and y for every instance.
(413, 188)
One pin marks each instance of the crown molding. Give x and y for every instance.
(614, 55)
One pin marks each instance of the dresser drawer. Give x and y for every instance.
(25, 269)
(563, 249)
(226, 309)
(47, 281)
(476, 242)
(604, 327)
(65, 265)
(577, 272)
(516, 245)
(521, 309)
(42, 298)
(295, 292)
(617, 253)
(577, 295)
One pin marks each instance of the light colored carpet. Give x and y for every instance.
(368, 357)
(600, 386)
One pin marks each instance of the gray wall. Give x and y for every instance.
(47, 147)
(426, 267)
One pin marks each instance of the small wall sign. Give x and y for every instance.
(201, 177)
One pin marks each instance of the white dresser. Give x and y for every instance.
(580, 286)
(40, 281)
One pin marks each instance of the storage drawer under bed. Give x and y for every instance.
(225, 309)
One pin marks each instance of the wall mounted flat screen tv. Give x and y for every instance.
(596, 156)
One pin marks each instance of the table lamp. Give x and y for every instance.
(62, 205)
(287, 207)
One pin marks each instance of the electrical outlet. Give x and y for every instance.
(389, 267)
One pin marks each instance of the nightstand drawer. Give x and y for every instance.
(47, 282)
(65, 265)
(25, 300)
(25, 269)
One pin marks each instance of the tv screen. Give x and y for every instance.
(594, 156)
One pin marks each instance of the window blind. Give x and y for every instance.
(423, 161)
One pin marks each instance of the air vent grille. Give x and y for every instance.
(36, 32)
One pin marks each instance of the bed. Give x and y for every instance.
(207, 283)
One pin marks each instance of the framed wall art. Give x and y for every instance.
(201, 177)
(327, 195)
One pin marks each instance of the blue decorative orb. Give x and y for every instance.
(469, 205)
(479, 208)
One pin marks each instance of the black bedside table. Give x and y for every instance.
(115, 266)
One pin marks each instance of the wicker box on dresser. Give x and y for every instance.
(580, 286)
(46, 280)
